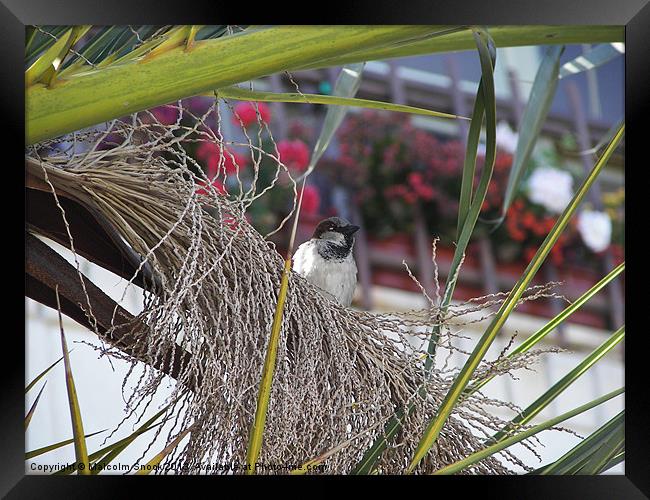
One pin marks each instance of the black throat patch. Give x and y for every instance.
(330, 250)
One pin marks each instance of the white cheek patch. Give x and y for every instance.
(334, 237)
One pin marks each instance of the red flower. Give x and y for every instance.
(420, 188)
(557, 254)
(503, 162)
(549, 222)
(205, 150)
(246, 112)
(210, 154)
(517, 234)
(310, 200)
(528, 220)
(294, 154)
(204, 190)
(539, 229)
(513, 226)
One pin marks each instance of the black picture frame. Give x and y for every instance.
(634, 14)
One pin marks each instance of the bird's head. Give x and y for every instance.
(337, 230)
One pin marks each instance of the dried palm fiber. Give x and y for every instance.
(341, 373)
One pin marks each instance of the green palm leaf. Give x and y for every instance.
(151, 464)
(80, 449)
(539, 103)
(55, 446)
(487, 54)
(560, 386)
(257, 430)
(50, 60)
(611, 447)
(30, 413)
(96, 459)
(249, 95)
(111, 452)
(346, 86)
(42, 374)
(137, 85)
(597, 56)
(468, 209)
(93, 97)
(40, 41)
(503, 36)
(370, 457)
(505, 443)
(578, 456)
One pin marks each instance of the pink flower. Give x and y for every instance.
(294, 154)
(425, 192)
(205, 150)
(310, 200)
(245, 111)
(210, 154)
(166, 115)
(415, 179)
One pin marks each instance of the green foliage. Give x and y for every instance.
(490, 450)
(593, 455)
(80, 449)
(331, 100)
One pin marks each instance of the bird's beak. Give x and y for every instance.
(350, 229)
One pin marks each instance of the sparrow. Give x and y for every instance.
(326, 259)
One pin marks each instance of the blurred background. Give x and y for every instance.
(398, 176)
